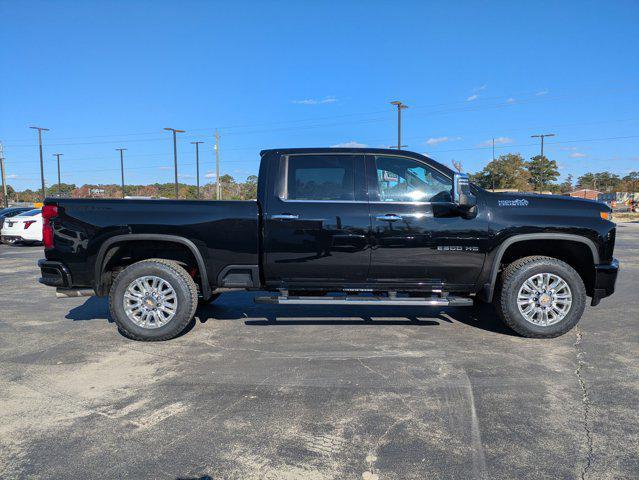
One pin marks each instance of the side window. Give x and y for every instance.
(320, 177)
(402, 179)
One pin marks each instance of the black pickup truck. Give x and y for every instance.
(337, 227)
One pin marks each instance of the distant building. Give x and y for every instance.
(586, 193)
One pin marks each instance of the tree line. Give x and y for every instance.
(539, 174)
(230, 190)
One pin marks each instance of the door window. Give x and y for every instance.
(321, 177)
(401, 179)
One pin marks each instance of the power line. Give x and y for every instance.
(462, 104)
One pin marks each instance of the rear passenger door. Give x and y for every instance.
(317, 221)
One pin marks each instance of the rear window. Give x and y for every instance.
(30, 213)
(321, 177)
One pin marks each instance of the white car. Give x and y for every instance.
(26, 227)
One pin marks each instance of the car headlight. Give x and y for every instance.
(606, 215)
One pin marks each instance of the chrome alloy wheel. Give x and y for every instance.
(150, 302)
(544, 299)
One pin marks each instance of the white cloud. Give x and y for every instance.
(209, 175)
(570, 149)
(12, 176)
(498, 141)
(510, 100)
(164, 167)
(316, 101)
(480, 88)
(351, 144)
(186, 175)
(472, 97)
(437, 140)
(541, 92)
(577, 155)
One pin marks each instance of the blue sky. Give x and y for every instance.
(109, 74)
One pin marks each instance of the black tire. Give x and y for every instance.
(213, 297)
(180, 281)
(514, 276)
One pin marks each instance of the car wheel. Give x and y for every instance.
(153, 300)
(540, 297)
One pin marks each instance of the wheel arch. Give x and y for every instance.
(110, 246)
(489, 288)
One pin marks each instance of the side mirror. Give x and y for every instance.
(462, 195)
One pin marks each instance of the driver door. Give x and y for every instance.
(415, 237)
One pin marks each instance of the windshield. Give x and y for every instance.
(30, 213)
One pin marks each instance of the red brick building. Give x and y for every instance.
(586, 193)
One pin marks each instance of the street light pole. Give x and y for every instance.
(40, 130)
(4, 179)
(400, 106)
(197, 165)
(58, 155)
(217, 165)
(175, 131)
(121, 150)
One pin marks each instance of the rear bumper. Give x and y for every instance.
(54, 274)
(605, 280)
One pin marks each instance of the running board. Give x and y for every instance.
(448, 301)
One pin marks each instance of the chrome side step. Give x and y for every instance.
(74, 292)
(448, 301)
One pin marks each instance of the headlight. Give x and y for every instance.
(606, 215)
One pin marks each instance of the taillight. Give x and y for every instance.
(48, 212)
(28, 223)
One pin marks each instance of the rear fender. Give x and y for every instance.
(113, 241)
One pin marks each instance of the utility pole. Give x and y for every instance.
(58, 155)
(400, 107)
(175, 131)
(492, 171)
(40, 130)
(542, 136)
(217, 165)
(121, 150)
(197, 165)
(4, 179)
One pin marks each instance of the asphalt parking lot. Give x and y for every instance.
(257, 391)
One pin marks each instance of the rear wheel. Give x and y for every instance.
(540, 297)
(153, 300)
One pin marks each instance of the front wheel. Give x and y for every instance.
(540, 297)
(153, 300)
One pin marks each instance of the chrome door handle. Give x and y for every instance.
(285, 216)
(390, 217)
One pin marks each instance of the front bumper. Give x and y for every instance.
(605, 280)
(11, 239)
(54, 274)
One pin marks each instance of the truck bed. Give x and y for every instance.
(224, 232)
